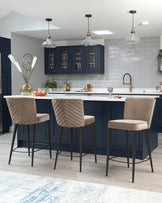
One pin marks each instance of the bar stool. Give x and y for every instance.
(138, 114)
(70, 113)
(23, 112)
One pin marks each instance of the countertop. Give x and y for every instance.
(84, 97)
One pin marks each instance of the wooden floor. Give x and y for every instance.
(119, 174)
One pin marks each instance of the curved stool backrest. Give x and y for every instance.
(69, 112)
(22, 110)
(139, 109)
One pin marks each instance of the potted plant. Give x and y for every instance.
(50, 84)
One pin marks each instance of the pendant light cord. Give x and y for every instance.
(88, 16)
(49, 36)
(88, 24)
(132, 30)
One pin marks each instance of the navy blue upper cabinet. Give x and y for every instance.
(75, 59)
(95, 59)
(63, 60)
(77, 63)
(50, 55)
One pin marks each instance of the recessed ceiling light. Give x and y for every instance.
(144, 23)
(102, 32)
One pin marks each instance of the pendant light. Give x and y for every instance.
(132, 39)
(49, 43)
(88, 41)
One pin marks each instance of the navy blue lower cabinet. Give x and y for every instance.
(103, 112)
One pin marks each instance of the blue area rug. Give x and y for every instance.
(25, 188)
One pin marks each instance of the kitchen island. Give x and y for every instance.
(104, 108)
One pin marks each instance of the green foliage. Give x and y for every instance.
(50, 84)
(159, 60)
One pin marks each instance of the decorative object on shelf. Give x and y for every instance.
(89, 87)
(26, 89)
(50, 84)
(159, 60)
(28, 63)
(49, 43)
(110, 90)
(132, 39)
(157, 87)
(88, 41)
(68, 87)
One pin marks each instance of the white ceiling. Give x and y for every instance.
(69, 15)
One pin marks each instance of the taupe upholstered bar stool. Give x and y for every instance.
(70, 113)
(138, 114)
(23, 112)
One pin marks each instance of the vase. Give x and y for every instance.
(26, 89)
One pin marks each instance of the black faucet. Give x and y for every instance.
(130, 82)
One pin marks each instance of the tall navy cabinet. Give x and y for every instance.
(5, 49)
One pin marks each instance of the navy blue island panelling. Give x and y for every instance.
(103, 112)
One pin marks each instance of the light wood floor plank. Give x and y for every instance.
(119, 174)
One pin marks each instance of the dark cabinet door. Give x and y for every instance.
(63, 60)
(95, 59)
(77, 63)
(50, 60)
(5, 50)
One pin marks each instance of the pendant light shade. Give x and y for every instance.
(88, 40)
(49, 43)
(133, 38)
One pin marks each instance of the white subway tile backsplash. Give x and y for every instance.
(138, 60)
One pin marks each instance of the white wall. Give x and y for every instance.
(21, 45)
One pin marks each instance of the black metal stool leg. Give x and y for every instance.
(12, 144)
(108, 150)
(71, 143)
(49, 138)
(80, 149)
(127, 144)
(94, 141)
(134, 156)
(33, 143)
(28, 140)
(58, 146)
(149, 151)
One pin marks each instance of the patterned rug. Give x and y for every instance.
(25, 188)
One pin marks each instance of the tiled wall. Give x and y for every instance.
(138, 60)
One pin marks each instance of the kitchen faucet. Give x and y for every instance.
(130, 82)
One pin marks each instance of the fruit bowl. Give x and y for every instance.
(39, 93)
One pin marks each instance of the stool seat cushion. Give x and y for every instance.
(128, 124)
(42, 117)
(89, 119)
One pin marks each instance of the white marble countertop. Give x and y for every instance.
(84, 97)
